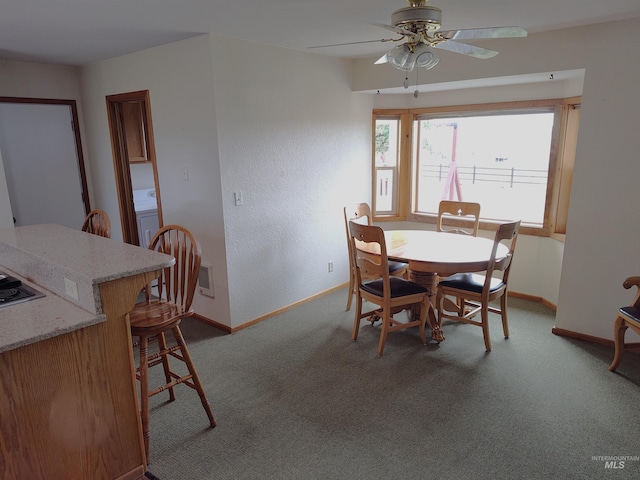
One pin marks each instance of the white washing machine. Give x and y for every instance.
(144, 201)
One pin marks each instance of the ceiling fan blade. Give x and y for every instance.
(357, 43)
(476, 33)
(463, 48)
(381, 60)
(398, 30)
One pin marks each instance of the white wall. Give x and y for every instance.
(602, 233)
(179, 79)
(297, 143)
(36, 80)
(141, 176)
(285, 130)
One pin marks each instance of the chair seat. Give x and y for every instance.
(399, 287)
(471, 282)
(397, 266)
(157, 316)
(632, 313)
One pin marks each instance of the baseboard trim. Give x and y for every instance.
(561, 332)
(286, 309)
(534, 298)
(213, 323)
(556, 331)
(250, 323)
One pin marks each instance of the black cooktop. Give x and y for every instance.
(13, 291)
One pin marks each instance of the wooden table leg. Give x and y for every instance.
(429, 281)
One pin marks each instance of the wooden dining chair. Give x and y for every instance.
(374, 284)
(458, 217)
(462, 218)
(162, 313)
(628, 317)
(361, 213)
(97, 222)
(476, 290)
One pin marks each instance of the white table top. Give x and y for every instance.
(440, 252)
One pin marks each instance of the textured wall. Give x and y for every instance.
(295, 141)
(179, 79)
(601, 249)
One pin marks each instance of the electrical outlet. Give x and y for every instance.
(71, 288)
(330, 267)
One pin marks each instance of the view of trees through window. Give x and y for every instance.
(386, 164)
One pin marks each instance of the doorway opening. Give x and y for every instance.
(43, 161)
(134, 162)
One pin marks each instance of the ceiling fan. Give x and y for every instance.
(419, 25)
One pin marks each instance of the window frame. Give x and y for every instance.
(560, 172)
(403, 168)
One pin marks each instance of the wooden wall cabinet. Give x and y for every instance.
(135, 127)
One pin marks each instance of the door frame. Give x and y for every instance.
(75, 127)
(121, 165)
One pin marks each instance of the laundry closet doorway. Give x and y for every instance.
(134, 161)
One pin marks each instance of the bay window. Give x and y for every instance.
(515, 159)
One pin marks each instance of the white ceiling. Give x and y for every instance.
(77, 32)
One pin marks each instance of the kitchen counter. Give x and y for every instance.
(47, 254)
(61, 261)
(70, 407)
(36, 320)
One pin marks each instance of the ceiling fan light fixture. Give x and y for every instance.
(402, 57)
(408, 56)
(425, 57)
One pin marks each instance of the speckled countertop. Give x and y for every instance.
(29, 322)
(51, 258)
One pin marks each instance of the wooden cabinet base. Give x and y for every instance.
(69, 406)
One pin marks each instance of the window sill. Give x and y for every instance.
(489, 226)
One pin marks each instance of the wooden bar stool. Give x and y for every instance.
(97, 222)
(161, 313)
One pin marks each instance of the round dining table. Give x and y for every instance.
(432, 255)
